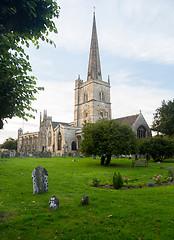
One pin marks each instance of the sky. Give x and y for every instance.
(136, 44)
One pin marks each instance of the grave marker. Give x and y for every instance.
(40, 180)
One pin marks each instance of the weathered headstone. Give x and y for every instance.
(54, 203)
(85, 200)
(74, 158)
(40, 180)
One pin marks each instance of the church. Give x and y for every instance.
(92, 102)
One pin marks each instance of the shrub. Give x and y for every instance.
(126, 180)
(158, 147)
(158, 178)
(170, 174)
(150, 184)
(117, 180)
(96, 182)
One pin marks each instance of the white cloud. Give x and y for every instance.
(139, 29)
(132, 29)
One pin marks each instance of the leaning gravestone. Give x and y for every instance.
(54, 203)
(40, 180)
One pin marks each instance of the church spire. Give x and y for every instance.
(94, 68)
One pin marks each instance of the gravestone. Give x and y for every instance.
(54, 203)
(40, 180)
(85, 200)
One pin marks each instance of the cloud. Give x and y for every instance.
(130, 33)
(137, 29)
(128, 99)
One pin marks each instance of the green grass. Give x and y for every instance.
(145, 213)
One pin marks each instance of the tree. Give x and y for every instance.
(10, 144)
(158, 147)
(21, 21)
(106, 137)
(164, 119)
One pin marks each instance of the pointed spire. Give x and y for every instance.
(94, 68)
(109, 79)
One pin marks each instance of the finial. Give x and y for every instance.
(140, 111)
(94, 11)
(79, 77)
(108, 79)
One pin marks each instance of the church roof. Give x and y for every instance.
(55, 124)
(130, 120)
(94, 68)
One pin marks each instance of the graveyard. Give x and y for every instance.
(136, 211)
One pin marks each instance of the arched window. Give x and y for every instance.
(101, 96)
(85, 97)
(49, 138)
(59, 141)
(73, 146)
(141, 132)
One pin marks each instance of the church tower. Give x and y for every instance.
(92, 98)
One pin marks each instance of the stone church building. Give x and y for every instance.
(92, 102)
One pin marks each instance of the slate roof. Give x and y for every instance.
(127, 120)
(55, 124)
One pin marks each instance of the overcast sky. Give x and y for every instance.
(136, 44)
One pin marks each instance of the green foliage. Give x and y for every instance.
(21, 21)
(106, 137)
(158, 147)
(10, 144)
(96, 182)
(164, 119)
(29, 19)
(110, 215)
(117, 180)
(171, 174)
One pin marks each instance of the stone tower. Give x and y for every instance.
(92, 98)
(44, 124)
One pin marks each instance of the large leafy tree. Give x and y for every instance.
(164, 119)
(158, 147)
(21, 22)
(10, 144)
(106, 137)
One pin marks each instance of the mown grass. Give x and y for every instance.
(141, 213)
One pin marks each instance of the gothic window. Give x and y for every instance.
(49, 138)
(101, 96)
(30, 143)
(141, 132)
(59, 141)
(85, 97)
(34, 143)
(73, 146)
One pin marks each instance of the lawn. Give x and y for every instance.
(137, 213)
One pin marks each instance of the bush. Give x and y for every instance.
(96, 182)
(170, 174)
(158, 147)
(117, 181)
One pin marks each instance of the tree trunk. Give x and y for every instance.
(102, 160)
(108, 160)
